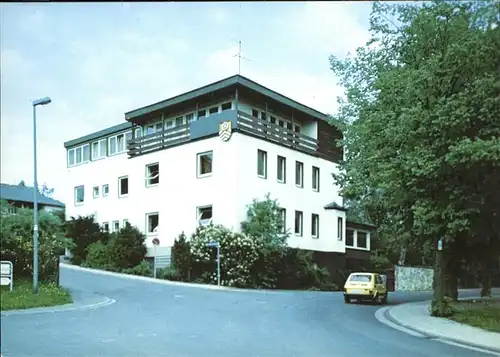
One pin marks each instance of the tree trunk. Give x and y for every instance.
(486, 276)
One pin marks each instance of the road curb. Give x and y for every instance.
(386, 313)
(181, 283)
(104, 301)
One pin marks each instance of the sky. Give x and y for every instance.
(99, 60)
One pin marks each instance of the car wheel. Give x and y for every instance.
(384, 299)
(347, 299)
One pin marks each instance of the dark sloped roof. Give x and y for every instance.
(98, 134)
(25, 194)
(336, 206)
(226, 83)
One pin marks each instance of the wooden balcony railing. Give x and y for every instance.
(276, 133)
(159, 140)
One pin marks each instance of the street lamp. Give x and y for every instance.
(41, 101)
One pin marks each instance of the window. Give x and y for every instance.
(152, 220)
(281, 169)
(262, 163)
(340, 228)
(105, 190)
(79, 195)
(116, 226)
(79, 155)
(125, 221)
(315, 225)
(204, 163)
(298, 223)
(99, 149)
(204, 215)
(213, 110)
(315, 179)
(349, 238)
(299, 174)
(226, 106)
(152, 174)
(361, 240)
(95, 191)
(202, 113)
(128, 137)
(255, 113)
(116, 144)
(263, 115)
(105, 226)
(282, 215)
(169, 124)
(179, 121)
(273, 120)
(189, 118)
(361, 278)
(138, 132)
(123, 186)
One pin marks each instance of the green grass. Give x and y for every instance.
(22, 297)
(482, 313)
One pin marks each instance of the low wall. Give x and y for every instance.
(413, 278)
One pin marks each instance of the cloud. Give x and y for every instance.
(330, 26)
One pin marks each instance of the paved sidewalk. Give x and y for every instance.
(415, 316)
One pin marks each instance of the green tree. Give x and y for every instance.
(84, 231)
(265, 225)
(16, 242)
(126, 248)
(421, 123)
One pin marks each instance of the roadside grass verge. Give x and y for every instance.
(482, 313)
(22, 297)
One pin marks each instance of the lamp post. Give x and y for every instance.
(41, 101)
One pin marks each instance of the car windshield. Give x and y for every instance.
(361, 278)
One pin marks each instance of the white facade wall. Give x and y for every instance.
(232, 185)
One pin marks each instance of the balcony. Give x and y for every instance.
(209, 126)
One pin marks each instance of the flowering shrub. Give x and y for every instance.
(238, 253)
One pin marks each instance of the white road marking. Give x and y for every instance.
(379, 315)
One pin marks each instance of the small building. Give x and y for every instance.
(21, 196)
(202, 156)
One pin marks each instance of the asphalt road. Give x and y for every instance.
(162, 320)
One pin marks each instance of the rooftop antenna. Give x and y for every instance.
(240, 57)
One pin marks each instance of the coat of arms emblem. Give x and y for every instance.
(225, 130)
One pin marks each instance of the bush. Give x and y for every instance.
(126, 247)
(170, 273)
(238, 254)
(181, 257)
(84, 231)
(298, 271)
(265, 226)
(16, 242)
(98, 256)
(143, 269)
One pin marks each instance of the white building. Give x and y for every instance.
(203, 156)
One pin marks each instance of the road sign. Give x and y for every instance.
(156, 241)
(6, 273)
(212, 244)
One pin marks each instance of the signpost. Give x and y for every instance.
(156, 242)
(6, 273)
(216, 245)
